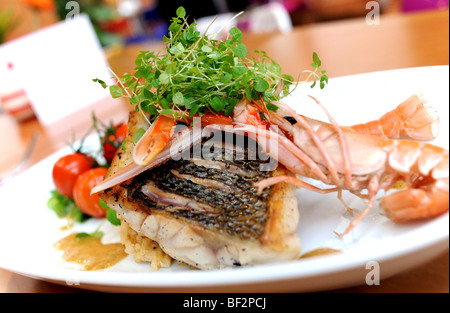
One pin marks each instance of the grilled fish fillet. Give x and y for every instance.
(206, 213)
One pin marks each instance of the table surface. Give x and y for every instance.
(345, 47)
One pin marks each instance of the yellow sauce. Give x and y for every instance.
(90, 252)
(319, 252)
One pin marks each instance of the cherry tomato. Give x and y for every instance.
(67, 169)
(89, 204)
(113, 139)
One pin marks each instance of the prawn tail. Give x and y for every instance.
(412, 118)
(427, 194)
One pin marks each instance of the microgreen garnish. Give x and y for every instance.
(319, 74)
(95, 234)
(65, 207)
(111, 216)
(199, 75)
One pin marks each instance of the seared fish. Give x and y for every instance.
(206, 212)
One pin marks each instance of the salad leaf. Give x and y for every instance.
(65, 207)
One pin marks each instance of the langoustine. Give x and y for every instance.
(349, 160)
(345, 157)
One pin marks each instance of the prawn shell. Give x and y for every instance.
(368, 157)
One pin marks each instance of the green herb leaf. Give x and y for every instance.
(65, 207)
(261, 85)
(101, 82)
(116, 91)
(194, 110)
(239, 70)
(95, 234)
(218, 104)
(207, 49)
(317, 62)
(111, 216)
(138, 134)
(181, 12)
(83, 235)
(236, 34)
(240, 50)
(272, 107)
(149, 108)
(319, 74)
(103, 205)
(171, 68)
(164, 78)
(178, 98)
(59, 204)
(226, 78)
(164, 104)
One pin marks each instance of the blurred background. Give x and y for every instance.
(119, 24)
(122, 22)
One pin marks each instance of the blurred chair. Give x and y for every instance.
(271, 17)
(216, 26)
(268, 18)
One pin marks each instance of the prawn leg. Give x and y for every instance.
(356, 162)
(261, 185)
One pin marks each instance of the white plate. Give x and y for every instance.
(28, 229)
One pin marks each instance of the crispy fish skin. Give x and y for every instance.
(204, 247)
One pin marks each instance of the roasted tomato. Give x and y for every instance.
(67, 169)
(89, 204)
(112, 140)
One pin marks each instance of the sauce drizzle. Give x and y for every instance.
(319, 252)
(90, 252)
